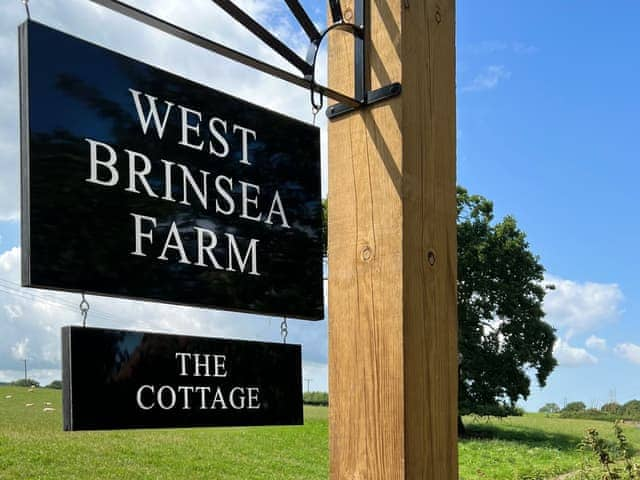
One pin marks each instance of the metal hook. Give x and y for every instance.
(26, 7)
(284, 330)
(316, 107)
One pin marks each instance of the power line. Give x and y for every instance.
(11, 288)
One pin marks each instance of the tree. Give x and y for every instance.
(574, 407)
(502, 334)
(612, 408)
(25, 383)
(56, 384)
(631, 409)
(549, 408)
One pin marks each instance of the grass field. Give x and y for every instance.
(33, 446)
(533, 447)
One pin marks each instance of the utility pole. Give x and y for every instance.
(25, 373)
(393, 359)
(308, 380)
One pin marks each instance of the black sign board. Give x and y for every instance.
(115, 379)
(138, 183)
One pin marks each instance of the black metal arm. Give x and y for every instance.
(263, 34)
(303, 19)
(347, 103)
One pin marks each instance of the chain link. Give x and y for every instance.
(284, 330)
(84, 310)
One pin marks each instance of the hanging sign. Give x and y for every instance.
(138, 183)
(116, 379)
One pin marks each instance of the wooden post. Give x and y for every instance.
(393, 358)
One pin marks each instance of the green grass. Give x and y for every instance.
(532, 447)
(33, 446)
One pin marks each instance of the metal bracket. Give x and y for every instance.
(372, 97)
(362, 95)
(361, 98)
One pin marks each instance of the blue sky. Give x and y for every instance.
(547, 129)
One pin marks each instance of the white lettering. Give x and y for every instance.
(139, 397)
(201, 193)
(168, 183)
(208, 248)
(277, 203)
(246, 200)
(183, 362)
(224, 194)
(254, 402)
(139, 174)
(251, 253)
(174, 236)
(219, 367)
(219, 137)
(186, 404)
(172, 396)
(232, 399)
(109, 164)
(187, 127)
(197, 364)
(203, 396)
(245, 142)
(218, 398)
(139, 235)
(153, 113)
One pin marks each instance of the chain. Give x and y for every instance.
(284, 330)
(84, 310)
(26, 7)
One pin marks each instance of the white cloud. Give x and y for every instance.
(9, 262)
(20, 350)
(14, 311)
(488, 79)
(581, 307)
(628, 351)
(596, 343)
(569, 356)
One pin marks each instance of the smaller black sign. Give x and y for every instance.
(116, 379)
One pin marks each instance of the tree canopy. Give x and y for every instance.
(575, 407)
(549, 408)
(502, 335)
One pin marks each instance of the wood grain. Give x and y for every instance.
(392, 315)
